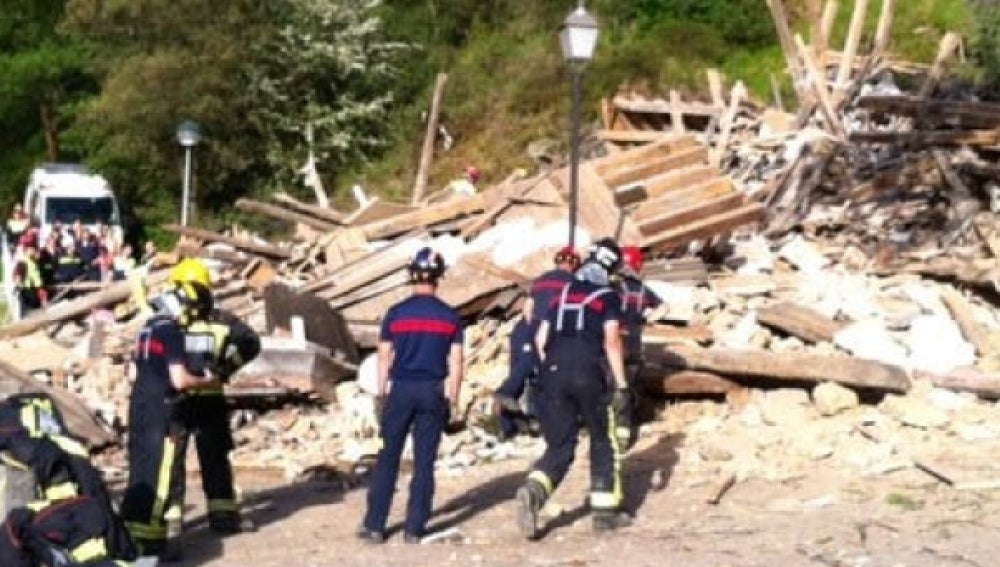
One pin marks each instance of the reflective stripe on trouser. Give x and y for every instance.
(156, 478)
(208, 420)
(574, 390)
(420, 406)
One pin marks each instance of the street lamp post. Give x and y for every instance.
(188, 136)
(578, 37)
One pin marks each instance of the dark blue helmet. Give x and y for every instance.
(427, 266)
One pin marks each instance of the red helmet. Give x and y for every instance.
(568, 255)
(472, 172)
(632, 255)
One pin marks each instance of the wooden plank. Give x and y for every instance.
(377, 210)
(800, 321)
(646, 169)
(818, 83)
(684, 215)
(322, 213)
(791, 366)
(280, 213)
(427, 152)
(668, 182)
(987, 343)
(660, 106)
(423, 217)
(632, 136)
(377, 266)
(726, 127)
(925, 138)
(597, 209)
(266, 250)
(957, 114)
(946, 50)
(676, 114)
(983, 384)
(883, 34)
(687, 382)
(705, 228)
(826, 29)
(715, 88)
(667, 146)
(780, 17)
(851, 43)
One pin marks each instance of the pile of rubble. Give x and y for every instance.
(851, 248)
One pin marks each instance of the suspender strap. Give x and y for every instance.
(578, 308)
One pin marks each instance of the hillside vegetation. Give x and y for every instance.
(116, 77)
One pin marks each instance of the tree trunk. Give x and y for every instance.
(51, 127)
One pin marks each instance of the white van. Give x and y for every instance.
(67, 193)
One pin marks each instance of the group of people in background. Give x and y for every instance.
(66, 254)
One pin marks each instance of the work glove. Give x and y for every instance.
(380, 402)
(626, 430)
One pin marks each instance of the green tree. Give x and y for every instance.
(326, 69)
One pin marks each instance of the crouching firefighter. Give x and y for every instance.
(73, 521)
(577, 341)
(221, 348)
(154, 498)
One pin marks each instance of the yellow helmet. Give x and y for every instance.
(191, 270)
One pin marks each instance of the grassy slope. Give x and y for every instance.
(508, 87)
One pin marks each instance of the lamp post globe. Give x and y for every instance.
(188, 134)
(578, 38)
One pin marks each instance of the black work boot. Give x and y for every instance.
(530, 499)
(229, 523)
(370, 536)
(610, 520)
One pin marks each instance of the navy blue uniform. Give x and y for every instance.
(69, 267)
(523, 369)
(545, 289)
(156, 441)
(422, 330)
(574, 390)
(636, 299)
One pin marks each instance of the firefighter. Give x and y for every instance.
(74, 517)
(221, 348)
(154, 497)
(637, 302)
(70, 266)
(420, 351)
(17, 224)
(524, 358)
(29, 282)
(579, 338)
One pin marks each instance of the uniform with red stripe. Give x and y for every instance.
(580, 339)
(418, 345)
(637, 299)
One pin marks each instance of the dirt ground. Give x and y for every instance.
(825, 516)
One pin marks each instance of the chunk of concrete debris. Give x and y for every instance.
(804, 255)
(936, 345)
(786, 407)
(830, 399)
(870, 340)
(914, 411)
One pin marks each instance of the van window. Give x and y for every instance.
(87, 210)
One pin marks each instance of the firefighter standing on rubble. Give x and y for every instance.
(421, 352)
(523, 355)
(637, 301)
(579, 339)
(220, 345)
(157, 437)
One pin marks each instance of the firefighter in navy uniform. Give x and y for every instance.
(523, 356)
(221, 347)
(157, 439)
(579, 339)
(421, 351)
(637, 301)
(74, 521)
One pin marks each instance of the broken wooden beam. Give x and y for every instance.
(687, 383)
(639, 170)
(851, 44)
(987, 342)
(79, 307)
(688, 214)
(983, 384)
(320, 212)
(705, 228)
(280, 213)
(260, 249)
(427, 153)
(423, 217)
(791, 366)
(799, 321)
(923, 138)
(632, 136)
